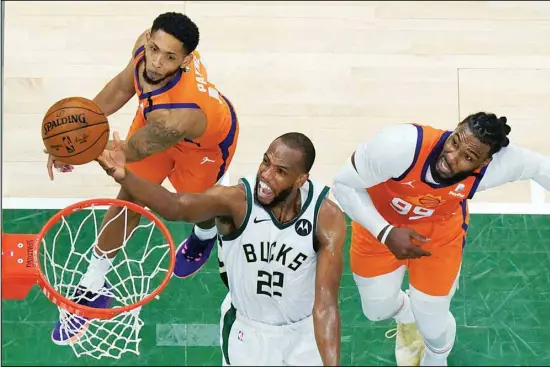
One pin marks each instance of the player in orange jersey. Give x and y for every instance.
(184, 130)
(414, 215)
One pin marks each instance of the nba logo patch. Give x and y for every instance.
(240, 335)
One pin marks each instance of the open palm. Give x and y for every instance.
(113, 161)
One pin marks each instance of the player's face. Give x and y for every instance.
(462, 153)
(164, 55)
(280, 173)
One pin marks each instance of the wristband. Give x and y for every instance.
(386, 234)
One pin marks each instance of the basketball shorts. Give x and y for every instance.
(249, 343)
(433, 275)
(189, 168)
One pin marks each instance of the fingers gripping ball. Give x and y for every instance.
(75, 130)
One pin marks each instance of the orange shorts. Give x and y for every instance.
(433, 275)
(190, 169)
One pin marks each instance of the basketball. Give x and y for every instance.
(75, 130)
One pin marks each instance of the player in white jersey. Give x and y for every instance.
(407, 192)
(281, 246)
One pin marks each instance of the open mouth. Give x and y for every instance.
(443, 167)
(264, 191)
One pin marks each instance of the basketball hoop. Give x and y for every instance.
(57, 260)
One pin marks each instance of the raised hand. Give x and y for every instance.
(113, 160)
(60, 166)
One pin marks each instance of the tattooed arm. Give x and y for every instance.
(163, 129)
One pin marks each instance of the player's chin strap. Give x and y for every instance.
(386, 231)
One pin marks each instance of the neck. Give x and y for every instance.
(289, 208)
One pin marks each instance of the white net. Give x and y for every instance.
(137, 270)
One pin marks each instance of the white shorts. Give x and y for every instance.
(249, 343)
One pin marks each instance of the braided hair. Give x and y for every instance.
(489, 130)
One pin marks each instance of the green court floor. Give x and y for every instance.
(502, 307)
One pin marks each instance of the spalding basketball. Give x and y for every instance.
(75, 130)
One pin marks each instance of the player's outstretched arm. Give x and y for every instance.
(110, 99)
(218, 201)
(120, 89)
(516, 163)
(331, 235)
(117, 92)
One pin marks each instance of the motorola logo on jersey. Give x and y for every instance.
(303, 227)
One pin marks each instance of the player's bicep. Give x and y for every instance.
(199, 207)
(331, 234)
(217, 201)
(175, 124)
(190, 123)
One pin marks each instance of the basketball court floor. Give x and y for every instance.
(336, 71)
(501, 307)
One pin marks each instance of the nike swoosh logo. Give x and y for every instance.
(259, 221)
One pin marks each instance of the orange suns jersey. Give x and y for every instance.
(189, 88)
(410, 199)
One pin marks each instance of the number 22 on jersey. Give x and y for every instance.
(413, 212)
(270, 284)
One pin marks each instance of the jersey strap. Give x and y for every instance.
(318, 203)
(139, 50)
(477, 181)
(249, 201)
(419, 139)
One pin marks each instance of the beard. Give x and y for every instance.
(447, 181)
(155, 82)
(280, 198)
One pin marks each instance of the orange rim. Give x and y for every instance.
(90, 312)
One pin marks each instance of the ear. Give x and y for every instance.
(148, 35)
(302, 180)
(186, 61)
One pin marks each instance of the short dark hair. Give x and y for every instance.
(180, 26)
(302, 143)
(489, 130)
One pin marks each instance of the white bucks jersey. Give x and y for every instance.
(271, 266)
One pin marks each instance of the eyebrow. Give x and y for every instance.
(170, 52)
(472, 152)
(277, 165)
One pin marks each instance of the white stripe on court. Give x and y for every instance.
(188, 335)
